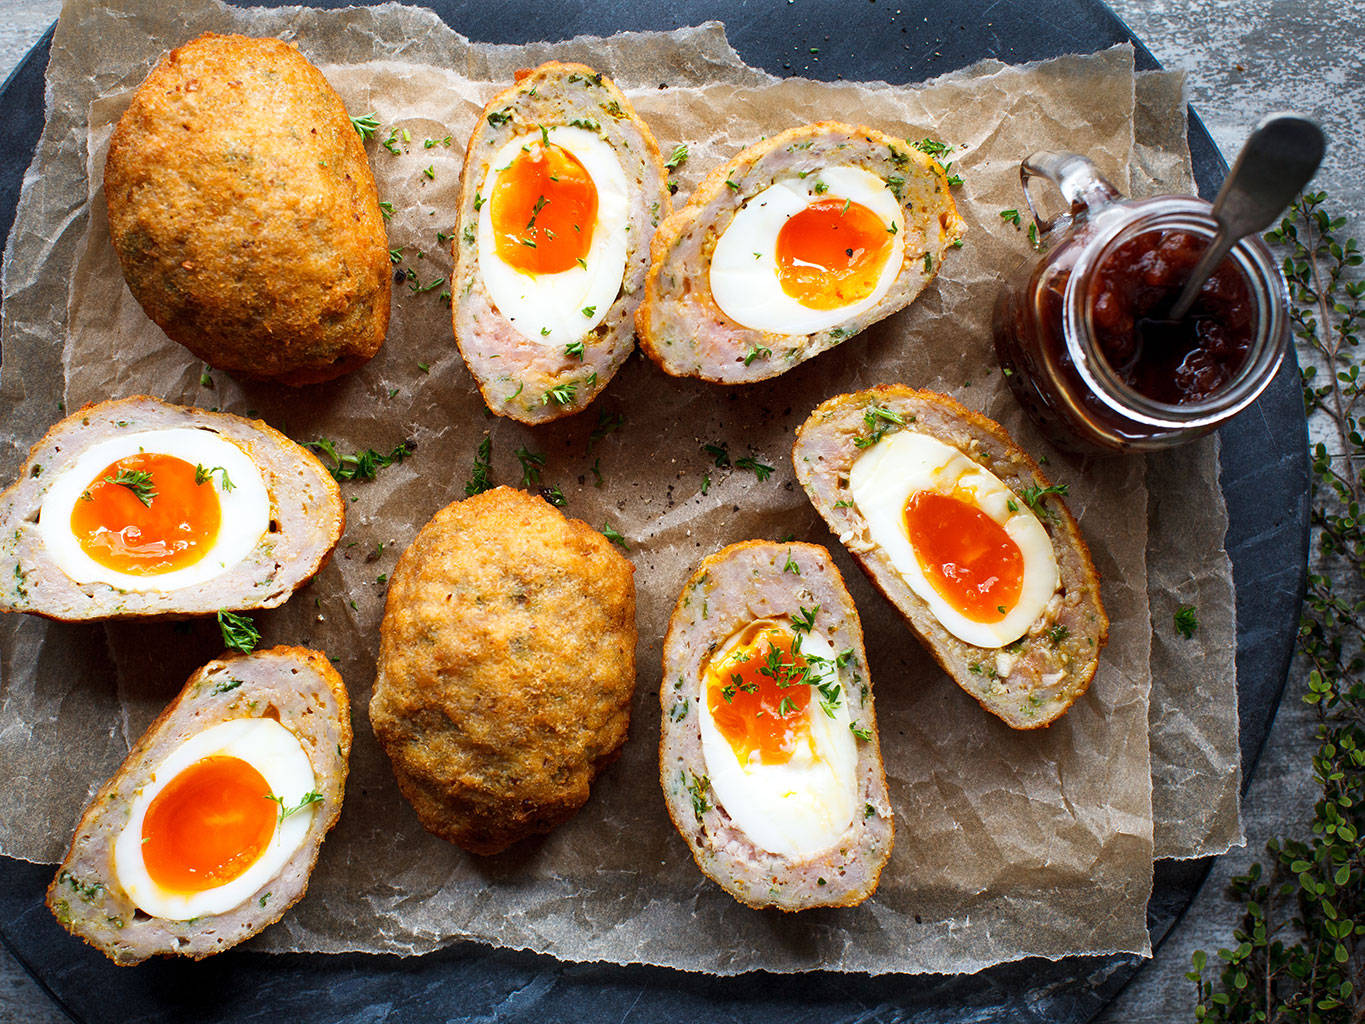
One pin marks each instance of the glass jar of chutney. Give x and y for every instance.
(1081, 334)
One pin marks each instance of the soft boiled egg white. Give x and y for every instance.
(800, 806)
(234, 485)
(204, 813)
(560, 307)
(747, 271)
(906, 465)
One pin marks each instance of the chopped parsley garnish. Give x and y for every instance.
(733, 185)
(791, 565)
(203, 476)
(239, 632)
(574, 349)
(615, 536)
(760, 469)
(226, 686)
(531, 465)
(205, 381)
(820, 188)
(1033, 497)
(498, 118)
(878, 420)
(936, 150)
(719, 452)
(307, 800)
(139, 481)
(803, 620)
(362, 465)
(757, 352)
(429, 172)
(1186, 622)
(396, 255)
(589, 311)
(679, 155)
(607, 423)
(1010, 217)
(698, 786)
(386, 209)
(1033, 236)
(560, 394)
(863, 733)
(365, 125)
(391, 143)
(1058, 634)
(481, 477)
(554, 496)
(928, 263)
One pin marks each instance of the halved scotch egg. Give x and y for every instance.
(769, 757)
(563, 186)
(960, 530)
(136, 507)
(209, 830)
(791, 248)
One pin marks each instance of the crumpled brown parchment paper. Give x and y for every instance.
(1010, 844)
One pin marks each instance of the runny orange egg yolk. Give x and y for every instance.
(966, 555)
(145, 515)
(208, 825)
(831, 253)
(755, 694)
(544, 208)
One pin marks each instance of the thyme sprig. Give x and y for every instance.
(1298, 953)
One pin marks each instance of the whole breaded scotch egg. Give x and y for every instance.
(506, 668)
(245, 216)
(768, 755)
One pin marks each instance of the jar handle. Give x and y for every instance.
(1079, 181)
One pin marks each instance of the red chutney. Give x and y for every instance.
(1132, 292)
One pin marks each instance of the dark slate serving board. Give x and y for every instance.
(1265, 479)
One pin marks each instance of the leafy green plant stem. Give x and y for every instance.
(1298, 955)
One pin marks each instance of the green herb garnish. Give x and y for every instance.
(362, 465)
(239, 632)
(481, 477)
(760, 469)
(1186, 622)
(1033, 497)
(138, 481)
(365, 125)
(203, 476)
(531, 465)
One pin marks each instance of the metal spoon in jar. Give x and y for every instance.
(1277, 161)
